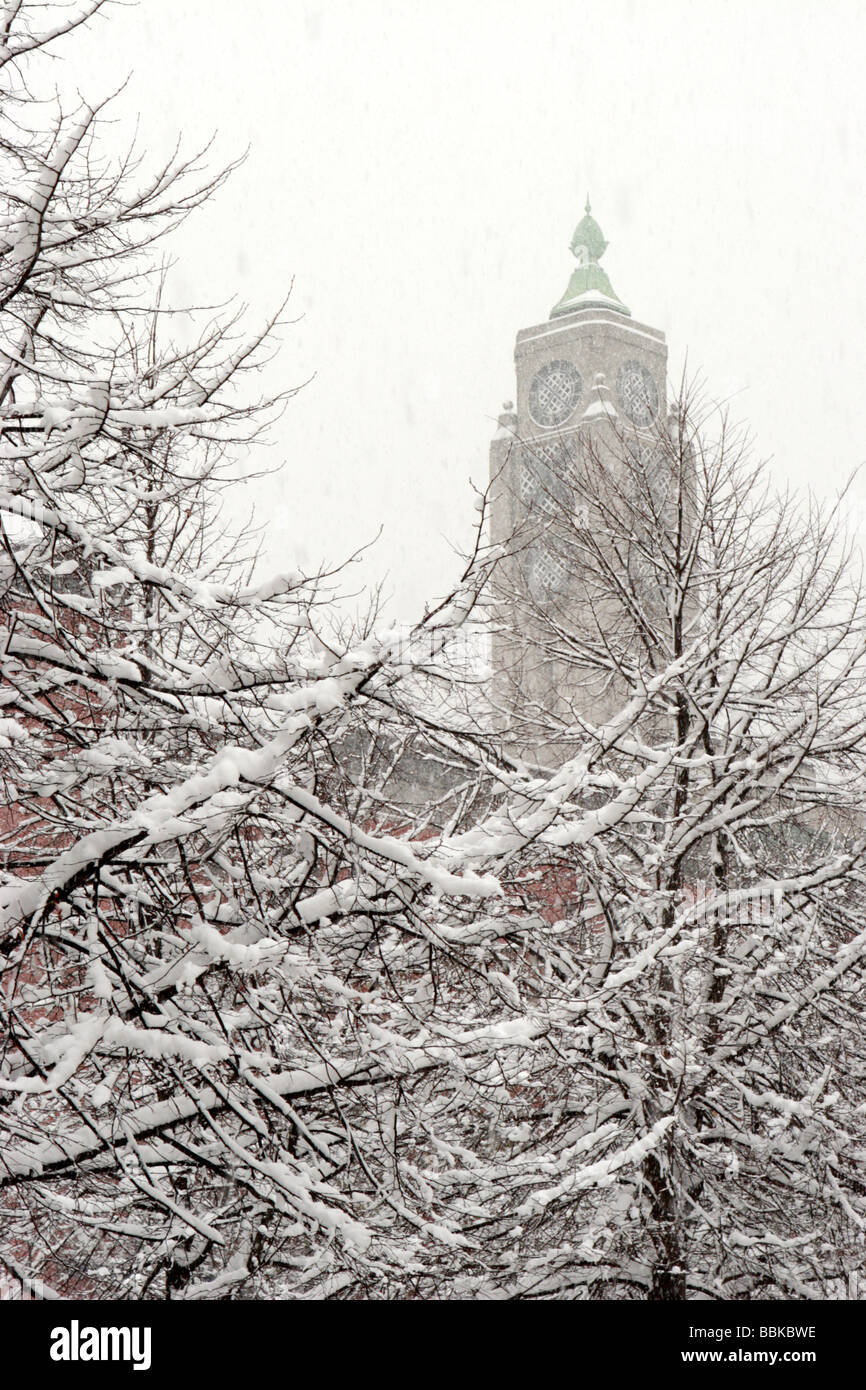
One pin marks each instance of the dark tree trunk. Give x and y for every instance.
(668, 1280)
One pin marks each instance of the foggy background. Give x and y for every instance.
(417, 169)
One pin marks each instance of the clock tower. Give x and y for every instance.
(590, 382)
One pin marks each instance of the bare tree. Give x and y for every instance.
(689, 1120)
(210, 904)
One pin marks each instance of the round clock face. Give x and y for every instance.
(554, 393)
(638, 397)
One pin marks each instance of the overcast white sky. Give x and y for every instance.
(417, 169)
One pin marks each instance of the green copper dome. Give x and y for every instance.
(589, 287)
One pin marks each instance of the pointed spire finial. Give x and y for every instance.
(589, 284)
(588, 243)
